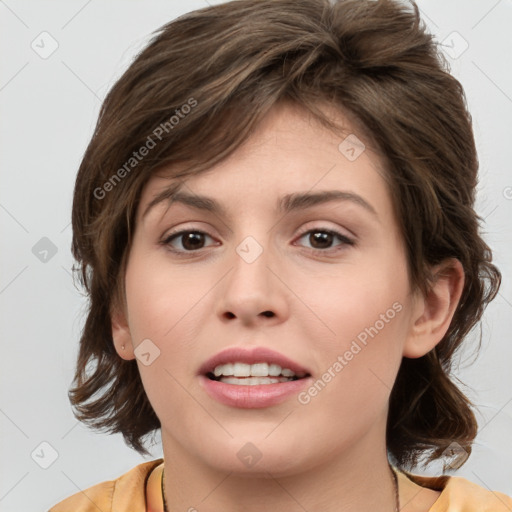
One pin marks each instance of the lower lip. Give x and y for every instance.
(252, 397)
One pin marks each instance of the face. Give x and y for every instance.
(323, 283)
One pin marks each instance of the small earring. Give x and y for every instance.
(122, 346)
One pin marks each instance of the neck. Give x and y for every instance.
(359, 479)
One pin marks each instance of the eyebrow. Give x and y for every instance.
(286, 204)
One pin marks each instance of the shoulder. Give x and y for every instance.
(462, 494)
(122, 494)
(457, 494)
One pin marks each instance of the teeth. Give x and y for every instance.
(253, 381)
(253, 370)
(223, 369)
(257, 370)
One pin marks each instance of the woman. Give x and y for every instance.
(275, 223)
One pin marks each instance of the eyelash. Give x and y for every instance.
(344, 239)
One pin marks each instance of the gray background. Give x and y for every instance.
(48, 110)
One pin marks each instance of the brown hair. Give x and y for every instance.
(199, 89)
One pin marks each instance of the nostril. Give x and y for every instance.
(268, 313)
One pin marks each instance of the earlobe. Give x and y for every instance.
(122, 336)
(433, 313)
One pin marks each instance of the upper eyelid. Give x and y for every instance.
(325, 226)
(188, 229)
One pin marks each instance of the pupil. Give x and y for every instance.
(189, 238)
(325, 239)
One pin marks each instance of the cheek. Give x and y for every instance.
(355, 297)
(160, 300)
(158, 296)
(167, 304)
(357, 366)
(361, 318)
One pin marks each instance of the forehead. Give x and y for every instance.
(290, 153)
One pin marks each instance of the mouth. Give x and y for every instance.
(243, 374)
(252, 366)
(252, 377)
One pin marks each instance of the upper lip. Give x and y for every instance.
(250, 356)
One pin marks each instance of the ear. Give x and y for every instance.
(121, 334)
(433, 313)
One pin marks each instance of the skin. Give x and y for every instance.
(328, 454)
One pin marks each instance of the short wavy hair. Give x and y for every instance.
(205, 80)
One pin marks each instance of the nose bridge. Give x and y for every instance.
(251, 289)
(250, 273)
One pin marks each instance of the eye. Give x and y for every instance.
(189, 240)
(322, 239)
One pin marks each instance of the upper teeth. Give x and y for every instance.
(253, 370)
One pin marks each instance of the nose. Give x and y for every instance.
(252, 293)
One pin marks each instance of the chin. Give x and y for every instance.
(260, 459)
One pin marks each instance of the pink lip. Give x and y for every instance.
(253, 397)
(250, 356)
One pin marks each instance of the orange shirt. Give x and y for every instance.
(140, 490)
